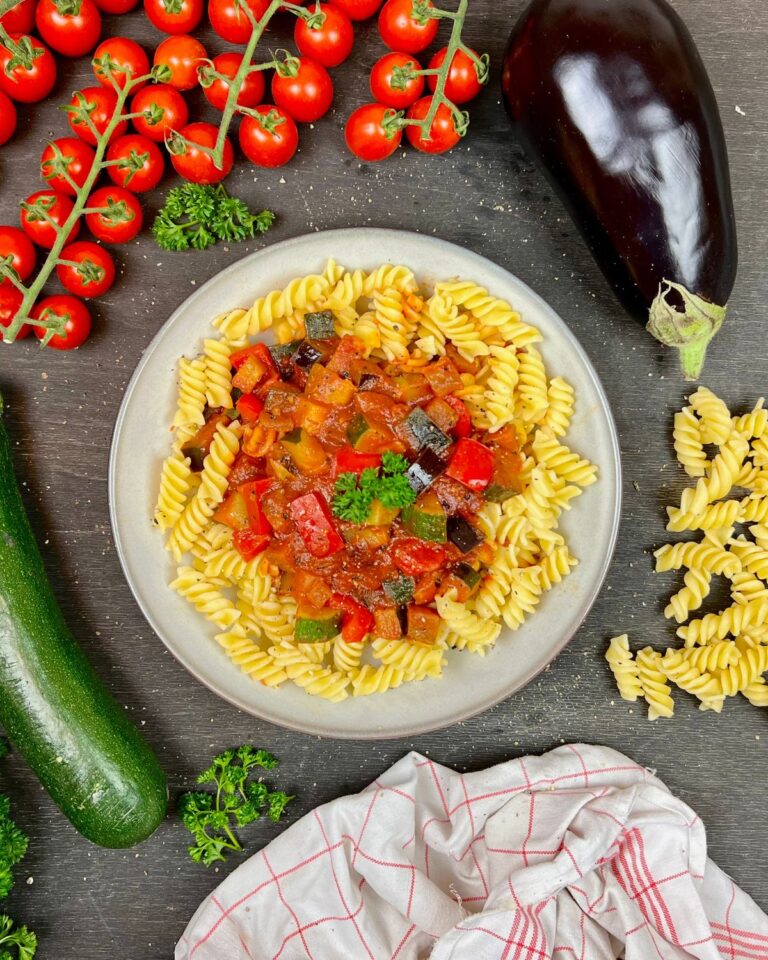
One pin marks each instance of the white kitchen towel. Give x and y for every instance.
(579, 854)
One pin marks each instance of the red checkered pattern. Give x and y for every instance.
(576, 855)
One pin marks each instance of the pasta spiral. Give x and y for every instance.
(218, 376)
(736, 619)
(724, 470)
(476, 631)
(216, 466)
(191, 403)
(705, 556)
(257, 663)
(369, 680)
(174, 487)
(624, 668)
(656, 691)
(415, 660)
(689, 447)
(714, 517)
(500, 387)
(562, 461)
(560, 404)
(696, 586)
(205, 597)
(716, 423)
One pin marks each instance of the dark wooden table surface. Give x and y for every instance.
(95, 904)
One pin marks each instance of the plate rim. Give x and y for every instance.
(320, 730)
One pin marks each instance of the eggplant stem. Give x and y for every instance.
(689, 329)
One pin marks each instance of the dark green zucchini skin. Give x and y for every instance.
(79, 742)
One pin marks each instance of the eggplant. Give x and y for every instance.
(425, 432)
(613, 101)
(463, 535)
(425, 470)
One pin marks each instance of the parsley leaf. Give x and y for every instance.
(354, 495)
(20, 937)
(197, 216)
(239, 799)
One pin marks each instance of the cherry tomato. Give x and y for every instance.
(359, 9)
(87, 271)
(442, 134)
(462, 83)
(140, 165)
(99, 104)
(401, 28)
(367, 135)
(230, 20)
(115, 6)
(269, 139)
(174, 16)
(195, 165)
(393, 81)
(51, 205)
(308, 95)
(329, 44)
(27, 84)
(21, 18)
(70, 154)
(10, 301)
(181, 55)
(71, 29)
(7, 118)
(227, 64)
(414, 556)
(17, 251)
(162, 110)
(121, 216)
(77, 319)
(125, 61)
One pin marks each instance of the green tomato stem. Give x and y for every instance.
(79, 209)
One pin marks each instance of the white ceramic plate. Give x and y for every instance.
(470, 683)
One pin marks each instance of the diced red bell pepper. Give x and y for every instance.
(471, 464)
(348, 460)
(249, 406)
(313, 520)
(258, 350)
(250, 544)
(252, 492)
(356, 622)
(414, 556)
(463, 426)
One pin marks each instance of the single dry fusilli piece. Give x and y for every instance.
(656, 691)
(624, 668)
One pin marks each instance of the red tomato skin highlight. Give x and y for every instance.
(365, 136)
(462, 84)
(107, 231)
(183, 55)
(125, 53)
(251, 92)
(40, 231)
(116, 6)
(230, 22)
(77, 253)
(69, 35)
(184, 21)
(21, 18)
(28, 86)
(401, 32)
(175, 116)
(81, 158)
(332, 43)
(78, 325)
(443, 132)
(381, 81)
(264, 148)
(146, 177)
(105, 102)
(307, 96)
(359, 9)
(14, 243)
(197, 166)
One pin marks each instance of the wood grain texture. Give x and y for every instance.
(91, 903)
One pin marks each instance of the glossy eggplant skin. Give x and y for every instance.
(612, 99)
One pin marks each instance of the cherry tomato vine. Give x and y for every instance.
(234, 84)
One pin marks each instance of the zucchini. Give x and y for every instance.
(305, 451)
(379, 515)
(319, 326)
(400, 589)
(468, 574)
(314, 625)
(281, 354)
(79, 742)
(357, 429)
(426, 519)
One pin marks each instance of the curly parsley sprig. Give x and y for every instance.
(239, 799)
(353, 494)
(197, 216)
(13, 846)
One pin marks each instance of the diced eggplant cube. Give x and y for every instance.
(306, 355)
(426, 432)
(425, 470)
(319, 326)
(281, 354)
(463, 535)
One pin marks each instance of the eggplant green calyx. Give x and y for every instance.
(688, 330)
